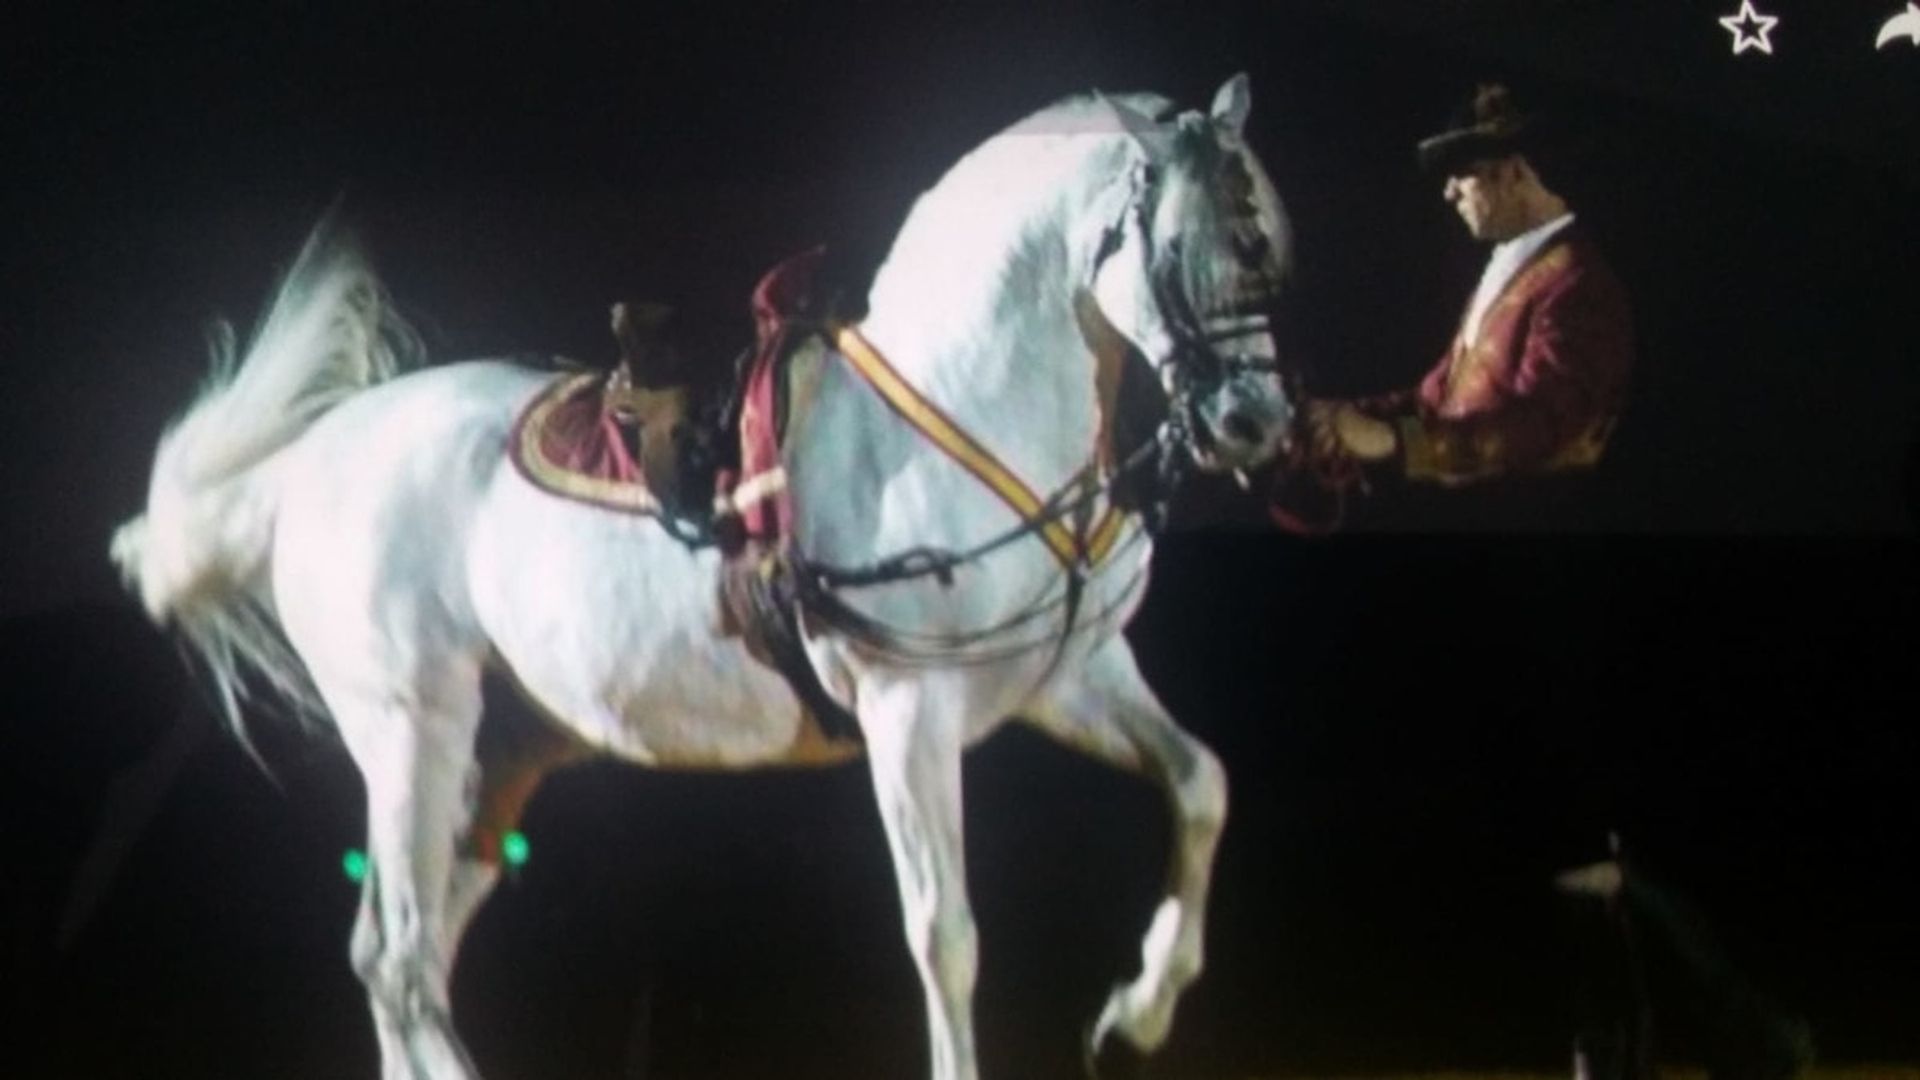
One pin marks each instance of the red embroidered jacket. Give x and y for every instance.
(1541, 388)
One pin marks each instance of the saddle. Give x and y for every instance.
(625, 440)
(637, 440)
(636, 394)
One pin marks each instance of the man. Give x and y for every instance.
(1523, 399)
(1528, 391)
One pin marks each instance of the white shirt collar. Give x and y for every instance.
(1507, 259)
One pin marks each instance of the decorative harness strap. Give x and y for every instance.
(1072, 547)
(1194, 363)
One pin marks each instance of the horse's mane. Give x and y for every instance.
(1090, 113)
(968, 227)
(967, 224)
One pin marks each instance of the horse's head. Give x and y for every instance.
(1190, 272)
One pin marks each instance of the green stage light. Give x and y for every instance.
(513, 849)
(354, 863)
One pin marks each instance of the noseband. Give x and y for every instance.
(1195, 367)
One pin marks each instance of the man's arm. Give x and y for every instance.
(1362, 427)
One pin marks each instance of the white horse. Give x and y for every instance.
(356, 537)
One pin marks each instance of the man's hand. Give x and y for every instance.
(1338, 428)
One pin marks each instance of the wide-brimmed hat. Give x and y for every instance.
(1490, 124)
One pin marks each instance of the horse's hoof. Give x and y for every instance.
(1112, 1057)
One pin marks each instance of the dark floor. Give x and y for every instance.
(1418, 732)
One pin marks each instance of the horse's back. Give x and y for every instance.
(413, 445)
(377, 503)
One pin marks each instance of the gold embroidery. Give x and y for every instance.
(547, 474)
(1476, 358)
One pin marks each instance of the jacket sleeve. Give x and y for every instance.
(1565, 389)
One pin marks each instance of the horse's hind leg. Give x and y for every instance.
(513, 754)
(415, 751)
(1110, 713)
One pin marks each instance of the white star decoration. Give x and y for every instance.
(1750, 29)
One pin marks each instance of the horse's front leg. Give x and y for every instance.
(914, 747)
(1108, 712)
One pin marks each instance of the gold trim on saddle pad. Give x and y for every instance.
(570, 416)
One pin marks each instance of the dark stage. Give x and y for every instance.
(1422, 718)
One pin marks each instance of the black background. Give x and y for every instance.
(1418, 723)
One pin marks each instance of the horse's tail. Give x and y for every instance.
(198, 557)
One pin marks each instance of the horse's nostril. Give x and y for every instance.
(1241, 428)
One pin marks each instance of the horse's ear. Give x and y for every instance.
(1232, 102)
(1153, 137)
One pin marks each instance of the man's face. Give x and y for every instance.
(1486, 196)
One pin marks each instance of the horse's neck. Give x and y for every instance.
(975, 308)
(1014, 383)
